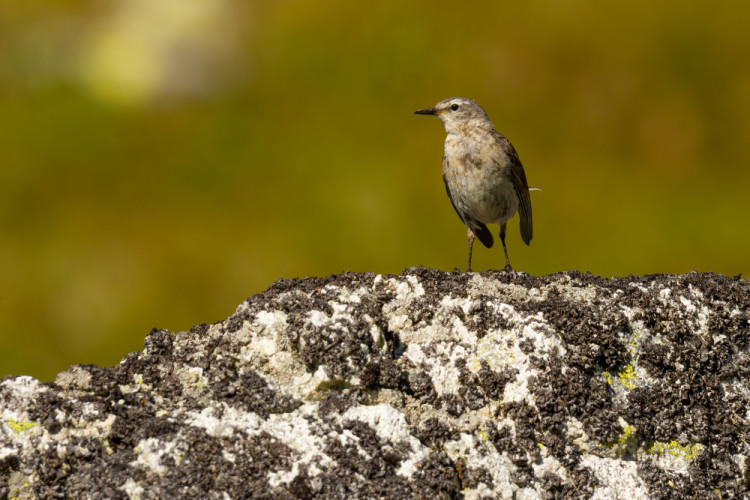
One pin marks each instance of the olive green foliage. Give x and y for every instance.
(161, 161)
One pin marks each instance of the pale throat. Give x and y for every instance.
(466, 140)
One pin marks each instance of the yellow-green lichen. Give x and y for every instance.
(627, 432)
(196, 380)
(687, 452)
(482, 434)
(626, 443)
(20, 426)
(634, 338)
(627, 377)
(18, 486)
(659, 340)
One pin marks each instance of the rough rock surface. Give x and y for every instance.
(424, 385)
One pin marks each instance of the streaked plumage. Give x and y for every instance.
(483, 175)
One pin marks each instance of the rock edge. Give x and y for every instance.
(423, 385)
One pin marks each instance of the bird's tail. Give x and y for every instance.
(526, 226)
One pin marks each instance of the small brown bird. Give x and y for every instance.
(482, 173)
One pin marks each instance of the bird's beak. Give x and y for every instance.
(428, 111)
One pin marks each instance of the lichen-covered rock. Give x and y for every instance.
(423, 385)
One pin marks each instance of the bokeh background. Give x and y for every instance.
(160, 161)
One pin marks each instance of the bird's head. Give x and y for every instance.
(458, 113)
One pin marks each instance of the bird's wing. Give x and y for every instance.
(480, 229)
(518, 176)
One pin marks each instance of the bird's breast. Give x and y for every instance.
(478, 179)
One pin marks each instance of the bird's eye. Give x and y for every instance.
(454, 107)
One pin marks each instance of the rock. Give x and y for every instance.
(424, 385)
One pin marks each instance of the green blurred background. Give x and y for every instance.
(160, 161)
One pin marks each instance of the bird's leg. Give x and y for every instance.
(502, 238)
(470, 234)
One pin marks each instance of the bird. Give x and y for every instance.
(483, 175)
